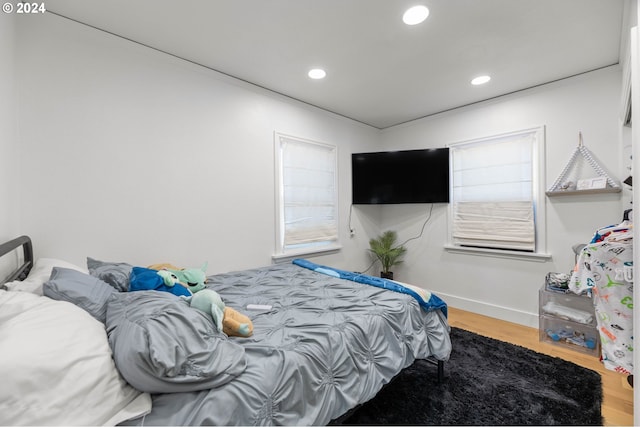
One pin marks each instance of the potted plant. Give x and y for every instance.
(384, 249)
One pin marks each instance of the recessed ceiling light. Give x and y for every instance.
(415, 15)
(317, 73)
(480, 80)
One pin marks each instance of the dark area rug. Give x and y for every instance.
(488, 382)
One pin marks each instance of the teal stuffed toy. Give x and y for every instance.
(169, 278)
(210, 302)
(228, 320)
(191, 278)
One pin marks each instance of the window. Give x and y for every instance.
(307, 195)
(495, 188)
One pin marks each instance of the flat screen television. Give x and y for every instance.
(395, 177)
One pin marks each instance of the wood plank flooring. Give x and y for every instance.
(617, 405)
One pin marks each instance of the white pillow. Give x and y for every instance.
(39, 274)
(56, 367)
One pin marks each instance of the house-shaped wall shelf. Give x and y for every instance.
(564, 186)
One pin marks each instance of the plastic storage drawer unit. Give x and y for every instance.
(576, 308)
(570, 334)
(568, 320)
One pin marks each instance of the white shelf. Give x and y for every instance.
(582, 192)
(582, 153)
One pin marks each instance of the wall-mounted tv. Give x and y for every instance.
(394, 177)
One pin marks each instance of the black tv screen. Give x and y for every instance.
(394, 177)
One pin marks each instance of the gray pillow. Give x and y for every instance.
(115, 274)
(83, 290)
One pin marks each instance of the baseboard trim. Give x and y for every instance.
(496, 311)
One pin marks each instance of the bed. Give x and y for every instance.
(327, 342)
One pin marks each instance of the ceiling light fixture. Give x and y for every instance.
(415, 15)
(317, 73)
(480, 80)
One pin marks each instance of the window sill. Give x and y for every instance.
(497, 253)
(289, 256)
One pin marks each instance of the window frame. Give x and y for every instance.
(538, 194)
(282, 253)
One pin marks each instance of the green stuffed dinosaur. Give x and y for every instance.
(193, 279)
(228, 320)
(210, 302)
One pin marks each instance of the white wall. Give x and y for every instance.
(507, 288)
(8, 132)
(130, 154)
(134, 155)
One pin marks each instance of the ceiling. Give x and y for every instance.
(380, 71)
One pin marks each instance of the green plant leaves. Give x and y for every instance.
(382, 247)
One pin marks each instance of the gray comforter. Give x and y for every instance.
(326, 345)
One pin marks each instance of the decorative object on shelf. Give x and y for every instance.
(384, 249)
(564, 185)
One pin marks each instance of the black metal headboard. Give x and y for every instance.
(23, 270)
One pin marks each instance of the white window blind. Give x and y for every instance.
(493, 192)
(308, 195)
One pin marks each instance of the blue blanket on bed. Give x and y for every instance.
(433, 303)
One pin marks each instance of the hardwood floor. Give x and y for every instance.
(617, 404)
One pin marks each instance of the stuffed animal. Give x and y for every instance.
(226, 319)
(210, 302)
(145, 279)
(169, 278)
(236, 324)
(163, 266)
(192, 278)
